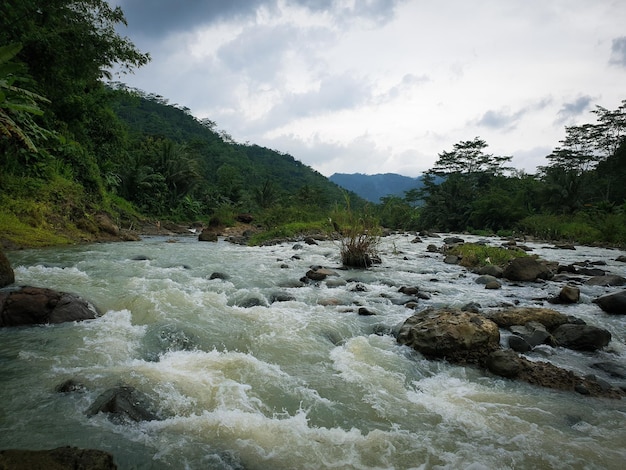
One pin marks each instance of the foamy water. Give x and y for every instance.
(304, 383)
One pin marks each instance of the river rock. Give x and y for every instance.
(606, 280)
(569, 295)
(611, 368)
(581, 337)
(453, 240)
(409, 290)
(526, 269)
(451, 334)
(7, 276)
(319, 274)
(523, 315)
(548, 375)
(504, 362)
(62, 458)
(37, 305)
(490, 270)
(207, 235)
(451, 259)
(519, 344)
(614, 303)
(485, 279)
(123, 403)
(533, 333)
(621, 258)
(493, 285)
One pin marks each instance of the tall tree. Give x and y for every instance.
(464, 173)
(468, 157)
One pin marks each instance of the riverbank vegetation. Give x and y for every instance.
(77, 148)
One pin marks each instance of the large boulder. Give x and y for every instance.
(581, 337)
(526, 269)
(7, 276)
(614, 303)
(523, 315)
(62, 458)
(38, 305)
(452, 334)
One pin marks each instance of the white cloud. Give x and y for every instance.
(384, 86)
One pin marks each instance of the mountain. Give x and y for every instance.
(374, 187)
(224, 163)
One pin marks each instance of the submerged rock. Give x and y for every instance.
(62, 458)
(36, 305)
(123, 403)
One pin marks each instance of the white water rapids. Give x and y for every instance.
(303, 383)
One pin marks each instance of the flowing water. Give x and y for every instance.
(301, 383)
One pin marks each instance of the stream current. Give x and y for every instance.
(300, 383)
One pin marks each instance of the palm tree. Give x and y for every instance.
(18, 105)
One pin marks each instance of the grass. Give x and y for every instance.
(583, 228)
(16, 233)
(290, 230)
(474, 255)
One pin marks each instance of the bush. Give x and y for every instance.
(360, 234)
(474, 255)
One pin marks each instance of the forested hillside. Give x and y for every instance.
(80, 154)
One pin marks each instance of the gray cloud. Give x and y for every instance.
(574, 108)
(505, 120)
(618, 51)
(157, 18)
(500, 119)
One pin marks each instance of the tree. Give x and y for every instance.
(69, 46)
(468, 157)
(464, 173)
(18, 105)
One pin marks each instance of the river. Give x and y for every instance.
(301, 383)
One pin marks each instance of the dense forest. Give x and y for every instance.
(75, 145)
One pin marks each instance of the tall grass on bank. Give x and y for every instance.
(584, 227)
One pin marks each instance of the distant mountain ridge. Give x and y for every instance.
(375, 187)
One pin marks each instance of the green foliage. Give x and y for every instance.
(18, 105)
(474, 255)
(584, 227)
(290, 231)
(395, 212)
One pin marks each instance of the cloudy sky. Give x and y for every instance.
(377, 86)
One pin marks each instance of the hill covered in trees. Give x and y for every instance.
(76, 148)
(375, 187)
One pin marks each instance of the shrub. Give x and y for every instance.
(360, 235)
(474, 255)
